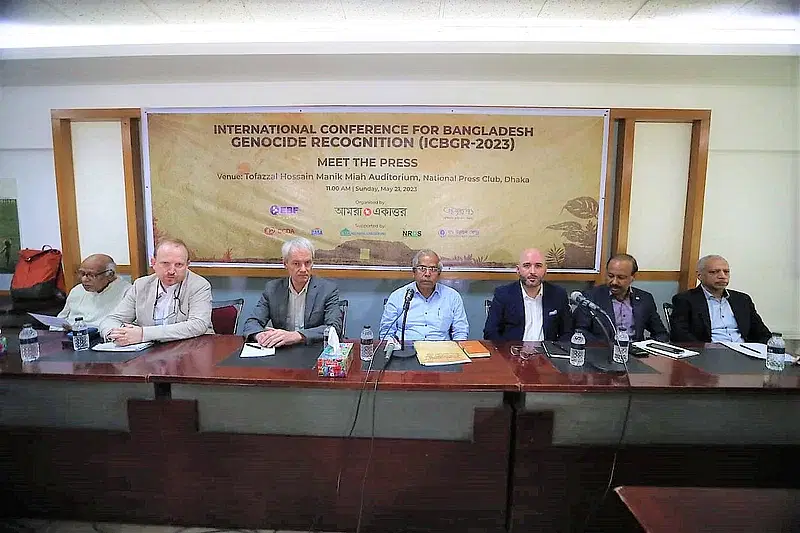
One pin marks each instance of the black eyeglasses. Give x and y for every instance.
(423, 268)
(91, 275)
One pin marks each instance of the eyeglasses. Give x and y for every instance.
(423, 268)
(91, 275)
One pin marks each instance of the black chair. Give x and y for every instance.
(668, 315)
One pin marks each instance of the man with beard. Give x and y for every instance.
(171, 304)
(632, 309)
(99, 292)
(530, 309)
(714, 313)
(436, 312)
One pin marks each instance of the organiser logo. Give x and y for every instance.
(283, 210)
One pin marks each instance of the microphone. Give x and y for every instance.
(581, 300)
(407, 300)
(406, 304)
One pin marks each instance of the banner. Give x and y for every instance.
(372, 186)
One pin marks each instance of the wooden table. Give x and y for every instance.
(713, 510)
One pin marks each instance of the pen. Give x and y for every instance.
(559, 345)
(749, 348)
(254, 345)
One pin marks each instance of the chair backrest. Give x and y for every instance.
(225, 315)
(343, 304)
(487, 304)
(668, 315)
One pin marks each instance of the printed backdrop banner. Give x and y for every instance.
(371, 186)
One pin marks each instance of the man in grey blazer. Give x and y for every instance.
(172, 304)
(300, 306)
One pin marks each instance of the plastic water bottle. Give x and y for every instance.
(367, 348)
(577, 349)
(621, 345)
(776, 348)
(80, 335)
(28, 344)
(3, 345)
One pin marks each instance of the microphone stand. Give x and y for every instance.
(403, 331)
(607, 366)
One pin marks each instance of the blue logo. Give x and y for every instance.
(316, 231)
(276, 210)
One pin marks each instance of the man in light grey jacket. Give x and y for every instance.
(172, 304)
(300, 306)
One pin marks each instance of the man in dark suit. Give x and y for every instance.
(300, 306)
(631, 308)
(530, 309)
(713, 313)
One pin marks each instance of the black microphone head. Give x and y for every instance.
(576, 297)
(409, 294)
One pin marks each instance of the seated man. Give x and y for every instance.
(99, 292)
(172, 304)
(530, 309)
(300, 306)
(712, 313)
(632, 309)
(436, 311)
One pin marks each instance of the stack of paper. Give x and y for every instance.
(662, 348)
(437, 353)
(111, 347)
(474, 349)
(252, 349)
(755, 349)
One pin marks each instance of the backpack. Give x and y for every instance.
(38, 276)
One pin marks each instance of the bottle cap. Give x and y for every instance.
(367, 327)
(78, 318)
(27, 325)
(776, 334)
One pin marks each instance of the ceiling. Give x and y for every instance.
(54, 12)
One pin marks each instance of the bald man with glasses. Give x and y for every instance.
(97, 294)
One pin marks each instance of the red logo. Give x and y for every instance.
(367, 212)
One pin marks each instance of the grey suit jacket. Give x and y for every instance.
(136, 307)
(322, 309)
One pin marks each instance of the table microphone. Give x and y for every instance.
(406, 304)
(579, 299)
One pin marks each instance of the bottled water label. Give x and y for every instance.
(80, 340)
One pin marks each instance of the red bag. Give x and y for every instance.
(38, 276)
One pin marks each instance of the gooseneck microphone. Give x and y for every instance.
(580, 300)
(406, 304)
(607, 366)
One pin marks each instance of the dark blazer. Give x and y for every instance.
(691, 321)
(506, 319)
(645, 314)
(322, 308)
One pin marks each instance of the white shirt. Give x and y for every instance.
(534, 319)
(165, 304)
(296, 318)
(93, 306)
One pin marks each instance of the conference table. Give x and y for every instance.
(713, 510)
(189, 433)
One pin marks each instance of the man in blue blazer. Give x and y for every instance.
(629, 307)
(530, 309)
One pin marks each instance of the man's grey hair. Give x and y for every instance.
(425, 253)
(299, 243)
(701, 263)
(111, 267)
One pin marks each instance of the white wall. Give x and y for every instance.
(752, 193)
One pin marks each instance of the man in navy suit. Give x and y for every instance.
(529, 309)
(631, 309)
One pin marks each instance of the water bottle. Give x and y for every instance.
(28, 344)
(367, 349)
(577, 349)
(621, 345)
(776, 348)
(3, 345)
(80, 335)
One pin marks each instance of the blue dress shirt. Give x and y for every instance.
(723, 323)
(428, 318)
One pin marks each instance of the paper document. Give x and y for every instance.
(755, 349)
(436, 353)
(254, 350)
(474, 349)
(111, 347)
(662, 348)
(52, 321)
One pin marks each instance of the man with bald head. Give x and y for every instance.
(714, 313)
(530, 309)
(173, 303)
(631, 308)
(99, 291)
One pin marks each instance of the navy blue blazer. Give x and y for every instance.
(506, 319)
(645, 314)
(691, 321)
